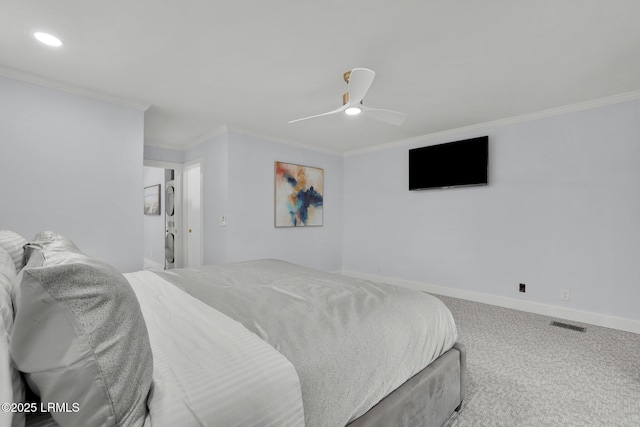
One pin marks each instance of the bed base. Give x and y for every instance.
(426, 399)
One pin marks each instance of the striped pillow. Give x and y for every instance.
(10, 391)
(13, 243)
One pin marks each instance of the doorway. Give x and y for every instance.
(163, 234)
(154, 217)
(178, 242)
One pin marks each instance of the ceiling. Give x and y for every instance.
(252, 66)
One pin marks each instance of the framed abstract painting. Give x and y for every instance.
(299, 194)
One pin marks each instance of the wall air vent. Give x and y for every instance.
(568, 326)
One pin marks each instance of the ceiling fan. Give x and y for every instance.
(359, 81)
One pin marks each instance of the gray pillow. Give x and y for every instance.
(80, 338)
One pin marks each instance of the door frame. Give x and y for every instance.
(178, 203)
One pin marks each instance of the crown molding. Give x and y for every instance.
(226, 129)
(251, 134)
(557, 111)
(221, 130)
(194, 142)
(600, 102)
(148, 143)
(23, 76)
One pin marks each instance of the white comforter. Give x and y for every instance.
(351, 341)
(209, 370)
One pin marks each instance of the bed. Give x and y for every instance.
(263, 342)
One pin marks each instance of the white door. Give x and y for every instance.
(193, 214)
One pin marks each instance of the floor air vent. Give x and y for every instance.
(568, 326)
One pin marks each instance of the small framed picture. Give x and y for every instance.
(152, 200)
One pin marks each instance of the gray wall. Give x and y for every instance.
(562, 210)
(72, 165)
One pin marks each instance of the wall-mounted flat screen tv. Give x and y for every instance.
(454, 164)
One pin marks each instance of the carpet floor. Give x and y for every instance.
(521, 371)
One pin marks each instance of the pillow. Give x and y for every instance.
(80, 338)
(11, 385)
(58, 249)
(13, 243)
(7, 272)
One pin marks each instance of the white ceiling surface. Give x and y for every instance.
(254, 65)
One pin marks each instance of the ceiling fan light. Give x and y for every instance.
(352, 111)
(48, 39)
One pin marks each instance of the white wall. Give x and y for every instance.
(562, 211)
(154, 225)
(163, 154)
(215, 169)
(250, 222)
(238, 183)
(72, 165)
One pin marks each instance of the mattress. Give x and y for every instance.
(352, 342)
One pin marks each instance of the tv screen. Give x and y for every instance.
(454, 164)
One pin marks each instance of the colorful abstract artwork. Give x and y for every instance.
(298, 196)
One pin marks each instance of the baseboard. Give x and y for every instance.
(606, 321)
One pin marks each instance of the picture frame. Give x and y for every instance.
(298, 195)
(152, 200)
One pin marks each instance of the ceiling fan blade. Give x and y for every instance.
(388, 116)
(337, 110)
(359, 83)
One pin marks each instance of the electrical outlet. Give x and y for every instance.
(565, 294)
(523, 287)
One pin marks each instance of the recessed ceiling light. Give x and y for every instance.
(48, 39)
(352, 111)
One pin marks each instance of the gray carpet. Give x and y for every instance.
(524, 372)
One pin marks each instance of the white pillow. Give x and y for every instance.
(13, 243)
(11, 386)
